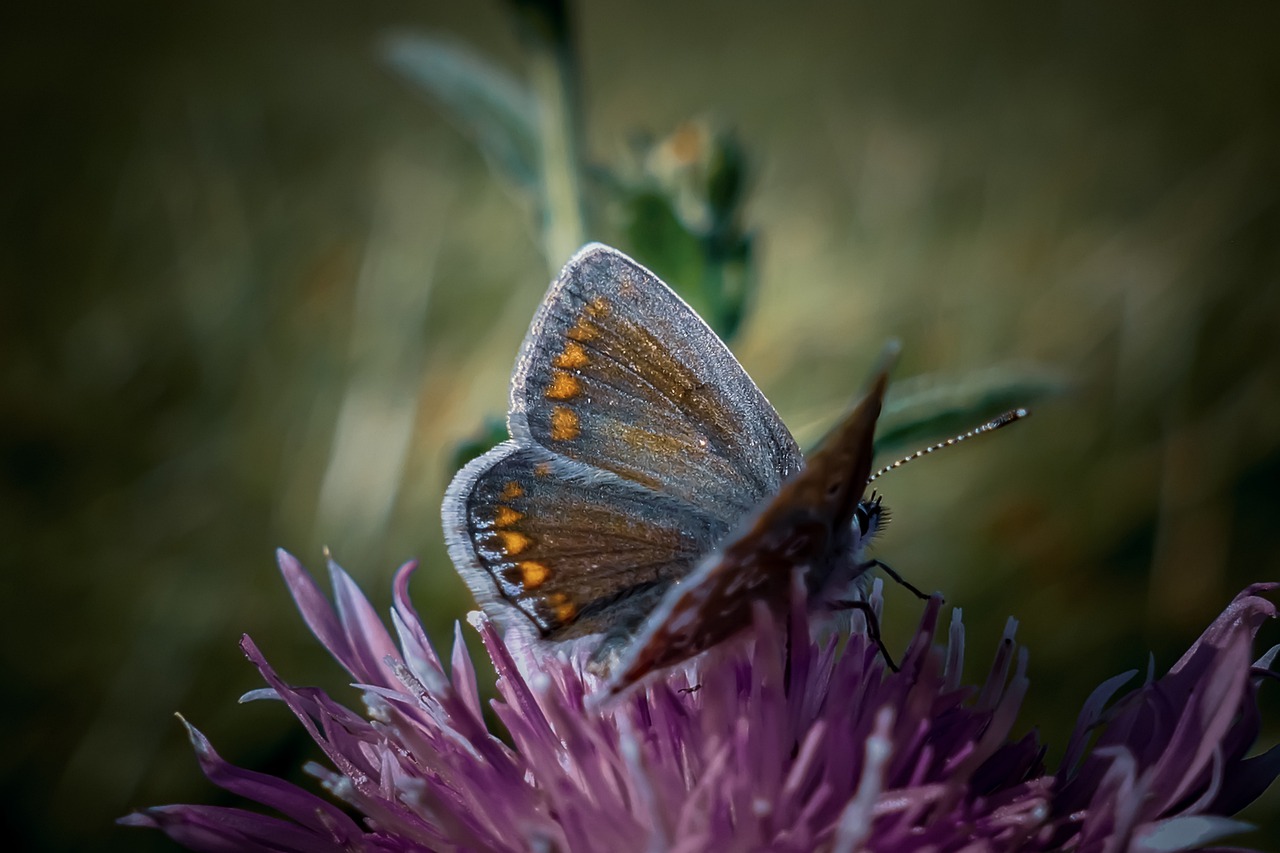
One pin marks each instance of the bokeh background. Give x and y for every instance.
(256, 286)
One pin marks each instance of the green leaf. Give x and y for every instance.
(932, 406)
(488, 104)
(486, 437)
(657, 236)
(681, 203)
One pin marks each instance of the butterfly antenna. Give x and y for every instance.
(993, 424)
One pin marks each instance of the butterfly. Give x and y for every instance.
(649, 493)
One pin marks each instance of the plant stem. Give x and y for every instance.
(553, 77)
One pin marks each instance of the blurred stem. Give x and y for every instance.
(553, 75)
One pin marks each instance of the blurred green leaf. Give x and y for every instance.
(659, 240)
(544, 20)
(681, 201)
(931, 407)
(726, 179)
(733, 284)
(487, 436)
(491, 106)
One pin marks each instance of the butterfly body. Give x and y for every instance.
(649, 493)
(817, 523)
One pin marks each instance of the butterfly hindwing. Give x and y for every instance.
(575, 551)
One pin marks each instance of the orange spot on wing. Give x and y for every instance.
(505, 516)
(514, 542)
(574, 357)
(542, 469)
(564, 386)
(584, 329)
(565, 424)
(533, 574)
(512, 490)
(561, 607)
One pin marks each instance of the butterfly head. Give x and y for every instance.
(869, 517)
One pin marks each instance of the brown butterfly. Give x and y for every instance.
(649, 493)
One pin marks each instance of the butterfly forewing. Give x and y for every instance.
(620, 374)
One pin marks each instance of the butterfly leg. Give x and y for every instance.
(884, 567)
(873, 626)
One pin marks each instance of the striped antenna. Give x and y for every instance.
(993, 424)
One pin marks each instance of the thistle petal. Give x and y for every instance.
(784, 739)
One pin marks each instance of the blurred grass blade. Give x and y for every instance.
(484, 101)
(933, 406)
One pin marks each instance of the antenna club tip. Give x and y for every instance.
(1011, 416)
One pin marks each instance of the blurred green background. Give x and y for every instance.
(255, 287)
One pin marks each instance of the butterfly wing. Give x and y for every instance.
(618, 373)
(575, 554)
(806, 525)
(637, 443)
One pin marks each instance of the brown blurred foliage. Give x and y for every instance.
(254, 289)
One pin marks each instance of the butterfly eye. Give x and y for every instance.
(863, 516)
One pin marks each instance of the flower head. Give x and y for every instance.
(781, 741)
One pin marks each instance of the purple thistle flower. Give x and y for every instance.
(776, 742)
